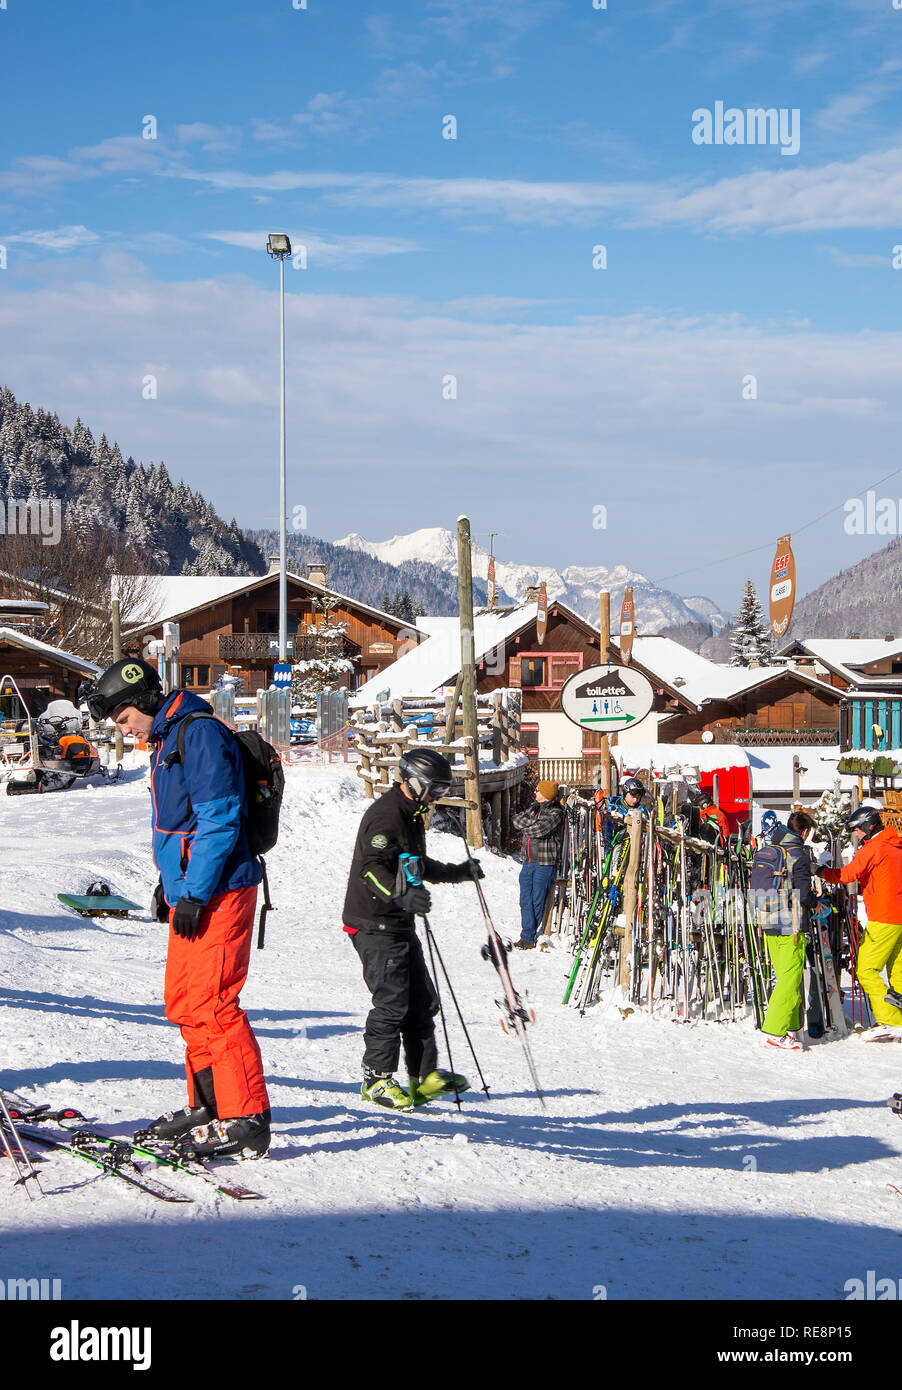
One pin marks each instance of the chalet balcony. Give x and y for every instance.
(754, 737)
(235, 647)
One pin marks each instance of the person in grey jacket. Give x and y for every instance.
(788, 941)
(540, 827)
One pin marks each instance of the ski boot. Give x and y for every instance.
(173, 1124)
(385, 1091)
(246, 1135)
(895, 1104)
(439, 1083)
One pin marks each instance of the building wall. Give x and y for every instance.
(782, 704)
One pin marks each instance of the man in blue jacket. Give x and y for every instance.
(208, 893)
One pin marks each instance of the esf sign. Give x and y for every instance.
(607, 698)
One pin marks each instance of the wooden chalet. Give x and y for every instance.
(231, 625)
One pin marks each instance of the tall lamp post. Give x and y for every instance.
(279, 246)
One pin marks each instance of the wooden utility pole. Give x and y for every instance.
(603, 657)
(118, 746)
(468, 674)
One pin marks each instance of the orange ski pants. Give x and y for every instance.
(203, 980)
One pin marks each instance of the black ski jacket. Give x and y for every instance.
(392, 826)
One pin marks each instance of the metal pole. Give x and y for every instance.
(283, 541)
(119, 746)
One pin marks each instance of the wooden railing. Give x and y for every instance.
(255, 646)
(567, 772)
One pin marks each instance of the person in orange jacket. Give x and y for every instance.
(877, 868)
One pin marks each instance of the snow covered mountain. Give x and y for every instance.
(578, 585)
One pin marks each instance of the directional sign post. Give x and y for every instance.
(607, 698)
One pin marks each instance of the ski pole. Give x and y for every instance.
(25, 1169)
(441, 1010)
(430, 937)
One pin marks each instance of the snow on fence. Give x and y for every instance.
(386, 732)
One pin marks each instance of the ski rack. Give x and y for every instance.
(692, 943)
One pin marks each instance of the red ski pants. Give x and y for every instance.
(203, 980)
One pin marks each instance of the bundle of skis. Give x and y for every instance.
(667, 919)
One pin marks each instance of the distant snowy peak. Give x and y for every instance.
(578, 586)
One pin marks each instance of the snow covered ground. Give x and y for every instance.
(672, 1162)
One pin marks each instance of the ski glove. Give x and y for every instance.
(470, 868)
(415, 899)
(186, 918)
(159, 908)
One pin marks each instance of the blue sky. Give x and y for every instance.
(427, 257)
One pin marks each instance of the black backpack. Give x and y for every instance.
(264, 785)
(770, 881)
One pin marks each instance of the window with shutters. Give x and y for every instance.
(545, 670)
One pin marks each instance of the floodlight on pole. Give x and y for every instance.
(279, 246)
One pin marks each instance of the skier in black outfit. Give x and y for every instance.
(385, 893)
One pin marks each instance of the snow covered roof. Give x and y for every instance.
(436, 662)
(173, 596)
(728, 682)
(75, 663)
(770, 767)
(847, 655)
(670, 660)
(706, 757)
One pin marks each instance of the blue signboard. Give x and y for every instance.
(281, 674)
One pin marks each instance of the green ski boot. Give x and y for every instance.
(440, 1083)
(385, 1091)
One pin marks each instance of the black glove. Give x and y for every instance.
(159, 908)
(470, 868)
(186, 918)
(415, 899)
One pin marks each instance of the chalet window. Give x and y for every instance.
(203, 675)
(529, 739)
(269, 622)
(187, 675)
(544, 670)
(533, 671)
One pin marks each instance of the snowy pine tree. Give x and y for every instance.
(751, 640)
(325, 669)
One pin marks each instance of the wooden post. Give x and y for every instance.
(796, 779)
(630, 894)
(505, 816)
(604, 643)
(497, 732)
(118, 746)
(451, 704)
(468, 673)
(471, 790)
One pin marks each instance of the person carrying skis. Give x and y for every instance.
(384, 896)
(768, 826)
(207, 893)
(786, 933)
(541, 826)
(877, 867)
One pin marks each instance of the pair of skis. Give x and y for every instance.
(121, 1158)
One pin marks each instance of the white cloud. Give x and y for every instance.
(629, 409)
(57, 239)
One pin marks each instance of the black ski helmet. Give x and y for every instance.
(866, 818)
(632, 787)
(426, 770)
(127, 682)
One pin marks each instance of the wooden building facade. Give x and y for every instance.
(238, 634)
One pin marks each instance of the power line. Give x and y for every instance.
(797, 531)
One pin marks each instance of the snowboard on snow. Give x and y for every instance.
(106, 906)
